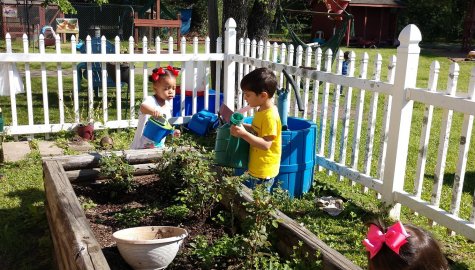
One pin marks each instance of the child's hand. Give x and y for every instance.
(156, 113)
(176, 133)
(237, 131)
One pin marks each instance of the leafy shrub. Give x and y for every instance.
(190, 175)
(131, 217)
(86, 203)
(219, 252)
(179, 212)
(118, 171)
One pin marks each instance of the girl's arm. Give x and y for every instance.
(149, 109)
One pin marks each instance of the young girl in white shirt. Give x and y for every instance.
(158, 105)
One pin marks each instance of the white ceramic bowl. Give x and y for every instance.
(149, 247)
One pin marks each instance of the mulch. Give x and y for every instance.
(147, 193)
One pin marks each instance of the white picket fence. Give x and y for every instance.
(348, 129)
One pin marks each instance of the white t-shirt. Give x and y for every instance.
(140, 141)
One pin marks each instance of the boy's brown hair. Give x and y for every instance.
(260, 80)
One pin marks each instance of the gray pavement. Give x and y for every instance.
(16, 151)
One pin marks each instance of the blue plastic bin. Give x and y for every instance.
(200, 103)
(298, 157)
(202, 122)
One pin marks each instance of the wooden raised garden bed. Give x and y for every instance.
(76, 246)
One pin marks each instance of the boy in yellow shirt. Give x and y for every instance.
(264, 134)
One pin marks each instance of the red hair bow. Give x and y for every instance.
(394, 238)
(173, 70)
(157, 73)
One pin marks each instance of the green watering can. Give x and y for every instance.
(231, 151)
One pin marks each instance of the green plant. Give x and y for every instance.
(219, 252)
(34, 144)
(179, 212)
(191, 174)
(258, 226)
(87, 114)
(118, 171)
(87, 203)
(131, 217)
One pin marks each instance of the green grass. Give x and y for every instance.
(22, 217)
(24, 235)
(345, 232)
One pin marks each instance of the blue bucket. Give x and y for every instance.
(156, 129)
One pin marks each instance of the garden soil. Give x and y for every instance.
(103, 221)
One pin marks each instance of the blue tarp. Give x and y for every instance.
(185, 20)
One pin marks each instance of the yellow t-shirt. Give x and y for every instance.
(266, 163)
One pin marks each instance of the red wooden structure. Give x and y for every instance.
(155, 22)
(19, 17)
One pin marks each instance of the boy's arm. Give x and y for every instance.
(248, 127)
(263, 143)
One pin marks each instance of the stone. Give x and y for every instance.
(48, 148)
(15, 151)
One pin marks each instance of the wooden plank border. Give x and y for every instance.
(74, 242)
(77, 248)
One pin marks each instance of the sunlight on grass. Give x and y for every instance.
(22, 195)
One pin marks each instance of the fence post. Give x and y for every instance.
(229, 86)
(401, 116)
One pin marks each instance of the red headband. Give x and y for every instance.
(173, 70)
(160, 71)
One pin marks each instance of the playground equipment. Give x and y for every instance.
(96, 67)
(336, 6)
(154, 21)
(49, 35)
(319, 38)
(336, 11)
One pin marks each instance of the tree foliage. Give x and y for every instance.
(66, 7)
(253, 17)
(436, 19)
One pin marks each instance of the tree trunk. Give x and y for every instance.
(261, 18)
(213, 32)
(238, 10)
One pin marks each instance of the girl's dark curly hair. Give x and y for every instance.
(421, 252)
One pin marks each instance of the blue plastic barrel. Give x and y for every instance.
(298, 157)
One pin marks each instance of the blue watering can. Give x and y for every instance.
(283, 100)
(157, 128)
